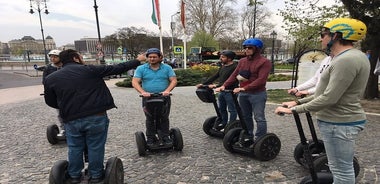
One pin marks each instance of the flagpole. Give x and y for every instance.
(184, 32)
(161, 45)
(184, 51)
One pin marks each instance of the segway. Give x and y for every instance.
(113, 174)
(236, 140)
(211, 125)
(154, 105)
(317, 151)
(53, 134)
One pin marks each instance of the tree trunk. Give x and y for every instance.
(372, 89)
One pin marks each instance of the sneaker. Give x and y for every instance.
(219, 127)
(167, 140)
(75, 180)
(150, 141)
(96, 180)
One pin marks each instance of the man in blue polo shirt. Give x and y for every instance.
(155, 77)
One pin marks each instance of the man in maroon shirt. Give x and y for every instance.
(252, 93)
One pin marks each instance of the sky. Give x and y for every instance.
(71, 20)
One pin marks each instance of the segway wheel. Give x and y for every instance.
(321, 165)
(208, 124)
(58, 173)
(231, 125)
(267, 147)
(114, 171)
(51, 133)
(176, 136)
(231, 138)
(141, 143)
(314, 148)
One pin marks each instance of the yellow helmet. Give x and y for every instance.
(351, 29)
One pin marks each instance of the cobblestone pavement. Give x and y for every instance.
(26, 156)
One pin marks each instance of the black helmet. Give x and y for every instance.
(230, 54)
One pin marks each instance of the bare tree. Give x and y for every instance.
(255, 20)
(211, 16)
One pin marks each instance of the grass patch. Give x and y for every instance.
(279, 96)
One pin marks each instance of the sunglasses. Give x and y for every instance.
(248, 48)
(323, 35)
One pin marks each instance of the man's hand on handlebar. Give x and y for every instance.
(283, 110)
(166, 93)
(145, 94)
(219, 89)
(289, 104)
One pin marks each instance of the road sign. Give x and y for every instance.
(119, 50)
(178, 49)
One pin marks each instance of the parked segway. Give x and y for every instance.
(212, 125)
(264, 148)
(154, 105)
(317, 151)
(53, 134)
(114, 172)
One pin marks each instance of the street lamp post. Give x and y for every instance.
(172, 27)
(273, 35)
(100, 54)
(38, 8)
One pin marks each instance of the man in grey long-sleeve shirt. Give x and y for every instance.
(336, 102)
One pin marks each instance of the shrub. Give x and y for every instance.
(197, 74)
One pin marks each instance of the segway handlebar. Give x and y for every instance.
(155, 95)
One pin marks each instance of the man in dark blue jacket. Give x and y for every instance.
(82, 97)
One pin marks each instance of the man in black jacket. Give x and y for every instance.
(82, 97)
(225, 99)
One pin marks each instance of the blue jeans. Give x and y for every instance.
(254, 104)
(226, 101)
(90, 132)
(339, 143)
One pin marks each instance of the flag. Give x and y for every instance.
(156, 17)
(183, 14)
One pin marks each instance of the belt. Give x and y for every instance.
(101, 114)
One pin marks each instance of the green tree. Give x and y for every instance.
(203, 39)
(303, 19)
(368, 11)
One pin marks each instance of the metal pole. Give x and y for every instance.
(254, 20)
(101, 59)
(43, 36)
(172, 27)
(273, 34)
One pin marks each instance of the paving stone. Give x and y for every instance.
(26, 156)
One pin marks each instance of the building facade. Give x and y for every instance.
(27, 43)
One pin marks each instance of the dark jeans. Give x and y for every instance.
(157, 116)
(90, 132)
(226, 101)
(253, 106)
